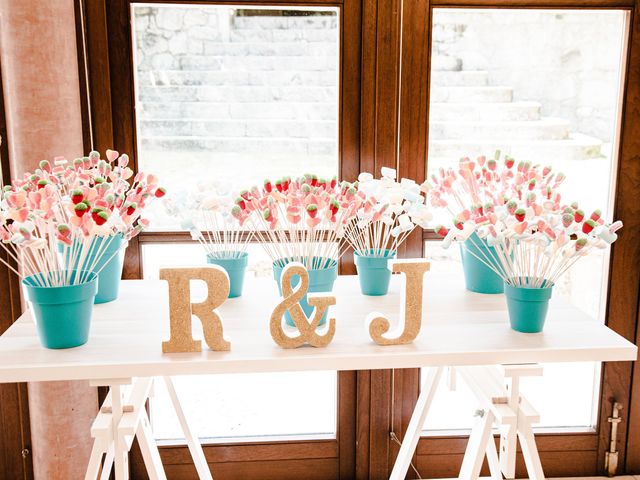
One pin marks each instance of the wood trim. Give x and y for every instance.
(414, 104)
(387, 84)
(555, 463)
(624, 273)
(347, 424)
(456, 444)
(623, 380)
(395, 84)
(255, 459)
(406, 388)
(350, 101)
(363, 420)
(563, 454)
(309, 469)
(15, 436)
(368, 86)
(380, 424)
(98, 74)
(254, 451)
(123, 105)
(622, 310)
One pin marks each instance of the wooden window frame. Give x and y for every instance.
(563, 454)
(112, 125)
(384, 119)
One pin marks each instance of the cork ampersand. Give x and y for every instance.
(181, 308)
(290, 301)
(410, 308)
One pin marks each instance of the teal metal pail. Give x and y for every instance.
(373, 271)
(527, 307)
(235, 265)
(321, 279)
(479, 277)
(62, 314)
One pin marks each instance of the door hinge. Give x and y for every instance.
(611, 456)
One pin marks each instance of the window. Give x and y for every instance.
(553, 101)
(235, 407)
(369, 108)
(205, 93)
(229, 95)
(488, 95)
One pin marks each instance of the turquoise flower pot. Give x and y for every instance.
(110, 262)
(62, 314)
(479, 277)
(373, 271)
(235, 266)
(527, 307)
(321, 279)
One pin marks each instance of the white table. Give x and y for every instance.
(460, 329)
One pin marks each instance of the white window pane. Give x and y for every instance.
(235, 95)
(565, 397)
(246, 405)
(249, 405)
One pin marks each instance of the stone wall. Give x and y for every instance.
(568, 61)
(211, 80)
(256, 77)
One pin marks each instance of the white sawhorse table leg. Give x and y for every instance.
(411, 437)
(123, 417)
(498, 391)
(499, 396)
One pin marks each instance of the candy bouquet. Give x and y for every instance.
(472, 193)
(300, 220)
(532, 239)
(389, 211)
(63, 226)
(207, 214)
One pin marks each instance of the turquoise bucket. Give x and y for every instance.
(527, 307)
(235, 266)
(62, 314)
(320, 280)
(110, 275)
(373, 271)
(479, 277)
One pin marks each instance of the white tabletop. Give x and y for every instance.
(459, 328)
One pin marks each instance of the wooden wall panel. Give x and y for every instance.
(322, 469)
(282, 460)
(98, 73)
(561, 455)
(555, 464)
(414, 104)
